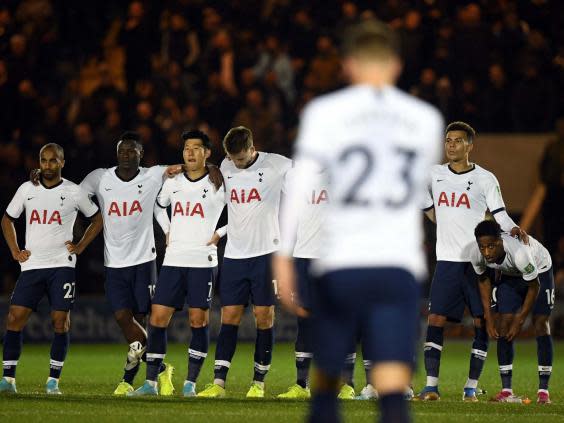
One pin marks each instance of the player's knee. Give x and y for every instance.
(436, 320)
(124, 318)
(264, 317)
(61, 324)
(159, 320)
(231, 316)
(541, 325)
(15, 321)
(198, 318)
(504, 323)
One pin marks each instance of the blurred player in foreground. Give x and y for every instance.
(377, 144)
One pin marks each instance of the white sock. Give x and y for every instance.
(52, 378)
(219, 382)
(261, 384)
(471, 383)
(153, 383)
(186, 382)
(432, 381)
(11, 380)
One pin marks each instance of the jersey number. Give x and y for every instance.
(70, 290)
(352, 196)
(210, 284)
(549, 296)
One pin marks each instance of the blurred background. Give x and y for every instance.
(79, 73)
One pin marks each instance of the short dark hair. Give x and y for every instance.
(197, 134)
(131, 136)
(462, 126)
(370, 38)
(238, 139)
(58, 149)
(487, 228)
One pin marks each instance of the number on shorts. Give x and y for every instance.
(275, 286)
(549, 296)
(494, 295)
(152, 290)
(69, 287)
(210, 284)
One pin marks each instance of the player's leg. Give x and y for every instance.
(12, 346)
(200, 289)
(545, 349)
(480, 343)
(234, 294)
(368, 392)
(505, 352)
(263, 295)
(347, 389)
(59, 349)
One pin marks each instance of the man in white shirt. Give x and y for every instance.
(254, 182)
(47, 261)
(377, 144)
(459, 194)
(522, 270)
(190, 263)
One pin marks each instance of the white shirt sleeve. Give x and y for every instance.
(477, 260)
(287, 164)
(428, 202)
(162, 218)
(91, 182)
(85, 203)
(157, 172)
(525, 263)
(16, 206)
(163, 199)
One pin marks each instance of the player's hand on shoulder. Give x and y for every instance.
(215, 175)
(74, 248)
(173, 170)
(34, 176)
(21, 256)
(521, 234)
(214, 239)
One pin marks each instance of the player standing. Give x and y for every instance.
(48, 260)
(254, 182)
(523, 269)
(378, 144)
(190, 264)
(459, 195)
(309, 246)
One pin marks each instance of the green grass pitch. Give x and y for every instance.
(92, 371)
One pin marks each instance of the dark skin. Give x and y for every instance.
(51, 164)
(508, 325)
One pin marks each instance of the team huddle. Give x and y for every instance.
(302, 230)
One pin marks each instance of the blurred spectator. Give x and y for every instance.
(324, 71)
(255, 115)
(179, 41)
(426, 88)
(497, 97)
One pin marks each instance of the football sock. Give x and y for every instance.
(324, 408)
(367, 370)
(13, 342)
(432, 352)
(304, 352)
(505, 355)
(544, 354)
(156, 351)
(348, 369)
(197, 352)
(477, 356)
(134, 357)
(59, 348)
(394, 408)
(263, 353)
(225, 349)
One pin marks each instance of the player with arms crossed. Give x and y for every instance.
(254, 182)
(48, 260)
(190, 264)
(523, 269)
(377, 154)
(459, 195)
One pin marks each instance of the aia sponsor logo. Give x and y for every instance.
(124, 208)
(44, 217)
(453, 200)
(187, 209)
(243, 197)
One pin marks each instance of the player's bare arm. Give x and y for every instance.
(520, 317)
(485, 287)
(9, 232)
(431, 215)
(92, 231)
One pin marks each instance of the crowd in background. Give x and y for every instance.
(81, 72)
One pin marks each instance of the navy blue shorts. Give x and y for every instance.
(510, 292)
(131, 288)
(247, 279)
(454, 286)
(382, 303)
(185, 285)
(58, 283)
(304, 282)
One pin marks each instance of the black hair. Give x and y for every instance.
(197, 134)
(131, 136)
(487, 228)
(462, 126)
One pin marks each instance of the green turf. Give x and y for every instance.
(92, 371)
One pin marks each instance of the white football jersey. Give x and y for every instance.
(50, 214)
(195, 209)
(460, 201)
(520, 259)
(253, 202)
(127, 210)
(310, 233)
(378, 146)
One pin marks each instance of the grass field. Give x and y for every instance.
(92, 371)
